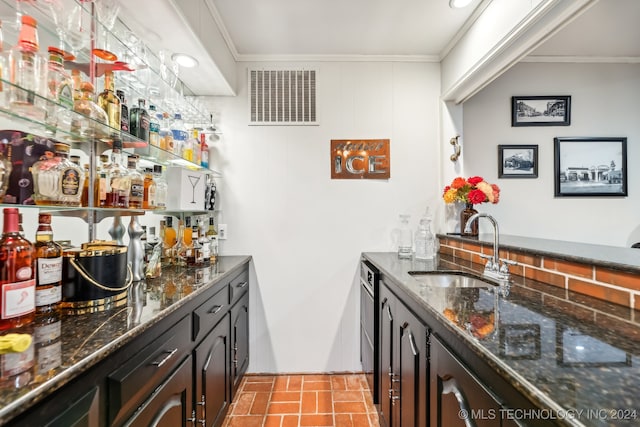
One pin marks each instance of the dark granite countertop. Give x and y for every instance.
(563, 356)
(68, 346)
(603, 255)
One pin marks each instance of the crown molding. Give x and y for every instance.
(575, 59)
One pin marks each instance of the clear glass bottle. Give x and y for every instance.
(109, 102)
(93, 126)
(162, 188)
(28, 72)
(169, 242)
(154, 127)
(166, 135)
(425, 240)
(212, 235)
(4, 72)
(180, 134)
(60, 91)
(204, 242)
(118, 184)
(57, 180)
(196, 258)
(154, 248)
(184, 248)
(17, 274)
(48, 267)
(204, 151)
(404, 238)
(136, 180)
(139, 121)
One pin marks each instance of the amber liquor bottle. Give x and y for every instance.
(48, 267)
(17, 274)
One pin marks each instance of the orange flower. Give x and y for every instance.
(458, 183)
(473, 190)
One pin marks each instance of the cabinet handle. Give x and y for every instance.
(202, 403)
(167, 357)
(389, 315)
(192, 420)
(393, 397)
(242, 284)
(450, 386)
(216, 309)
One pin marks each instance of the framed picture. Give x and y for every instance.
(520, 341)
(590, 166)
(517, 161)
(541, 110)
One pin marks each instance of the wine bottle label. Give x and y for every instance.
(48, 296)
(49, 271)
(70, 182)
(18, 298)
(124, 118)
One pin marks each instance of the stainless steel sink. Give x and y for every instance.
(450, 279)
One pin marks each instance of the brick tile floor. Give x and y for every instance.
(338, 400)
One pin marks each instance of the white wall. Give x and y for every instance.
(306, 231)
(604, 103)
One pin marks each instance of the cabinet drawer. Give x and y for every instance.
(209, 313)
(238, 286)
(134, 381)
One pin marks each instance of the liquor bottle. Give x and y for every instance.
(17, 274)
(204, 151)
(28, 72)
(109, 102)
(118, 184)
(169, 241)
(149, 199)
(84, 200)
(101, 187)
(153, 254)
(212, 235)
(48, 267)
(187, 225)
(187, 148)
(162, 189)
(57, 180)
(180, 134)
(166, 135)
(196, 256)
(136, 180)
(139, 121)
(60, 91)
(183, 250)
(124, 111)
(154, 126)
(92, 125)
(204, 243)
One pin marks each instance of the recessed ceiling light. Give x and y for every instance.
(185, 60)
(457, 4)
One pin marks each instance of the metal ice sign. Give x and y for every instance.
(360, 159)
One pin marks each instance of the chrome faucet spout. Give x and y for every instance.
(493, 265)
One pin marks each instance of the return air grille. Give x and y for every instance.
(282, 97)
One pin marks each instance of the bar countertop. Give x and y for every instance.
(65, 347)
(580, 361)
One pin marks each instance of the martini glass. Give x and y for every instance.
(72, 22)
(107, 11)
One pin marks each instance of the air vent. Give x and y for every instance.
(282, 97)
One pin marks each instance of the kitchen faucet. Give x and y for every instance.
(493, 268)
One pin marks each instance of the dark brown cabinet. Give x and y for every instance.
(239, 341)
(458, 397)
(212, 370)
(403, 364)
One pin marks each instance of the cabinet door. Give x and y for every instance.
(455, 390)
(170, 404)
(211, 364)
(239, 341)
(387, 307)
(410, 367)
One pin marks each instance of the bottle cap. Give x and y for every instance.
(29, 20)
(86, 87)
(44, 218)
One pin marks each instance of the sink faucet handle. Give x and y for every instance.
(505, 265)
(508, 261)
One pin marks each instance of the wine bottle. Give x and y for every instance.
(17, 274)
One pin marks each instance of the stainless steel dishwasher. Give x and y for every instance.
(369, 345)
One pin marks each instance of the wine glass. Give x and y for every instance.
(72, 22)
(107, 11)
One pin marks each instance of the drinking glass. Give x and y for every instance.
(107, 11)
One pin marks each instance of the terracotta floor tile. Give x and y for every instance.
(285, 396)
(273, 421)
(325, 402)
(361, 420)
(260, 403)
(284, 408)
(348, 396)
(246, 421)
(338, 382)
(315, 377)
(355, 382)
(316, 385)
(316, 420)
(343, 420)
(260, 378)
(290, 420)
(281, 383)
(243, 403)
(309, 402)
(295, 383)
(261, 386)
(349, 407)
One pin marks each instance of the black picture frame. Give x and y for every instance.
(549, 110)
(517, 161)
(589, 167)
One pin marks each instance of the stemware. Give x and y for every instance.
(72, 22)
(107, 11)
